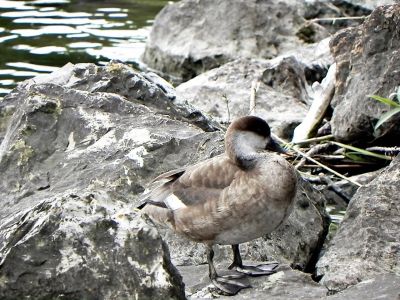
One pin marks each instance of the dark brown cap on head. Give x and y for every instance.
(251, 123)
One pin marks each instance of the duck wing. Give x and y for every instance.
(193, 185)
(170, 175)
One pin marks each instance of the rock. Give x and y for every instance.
(332, 15)
(367, 241)
(59, 127)
(311, 32)
(77, 157)
(143, 88)
(225, 92)
(287, 75)
(316, 59)
(339, 14)
(86, 246)
(356, 7)
(6, 111)
(349, 189)
(290, 284)
(384, 286)
(285, 284)
(190, 37)
(367, 63)
(11, 102)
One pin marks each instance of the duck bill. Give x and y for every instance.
(274, 146)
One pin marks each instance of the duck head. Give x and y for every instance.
(245, 137)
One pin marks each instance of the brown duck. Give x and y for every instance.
(229, 199)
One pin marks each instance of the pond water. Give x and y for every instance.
(39, 36)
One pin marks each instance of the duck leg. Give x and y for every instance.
(261, 269)
(228, 284)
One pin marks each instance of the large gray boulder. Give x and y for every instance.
(72, 163)
(367, 64)
(278, 90)
(142, 88)
(367, 242)
(190, 36)
(225, 92)
(81, 245)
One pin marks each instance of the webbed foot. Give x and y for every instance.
(258, 270)
(231, 284)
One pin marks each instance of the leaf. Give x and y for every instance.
(398, 94)
(355, 156)
(384, 100)
(362, 151)
(386, 116)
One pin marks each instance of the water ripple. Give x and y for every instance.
(38, 36)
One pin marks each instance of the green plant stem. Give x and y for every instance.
(314, 140)
(316, 162)
(362, 151)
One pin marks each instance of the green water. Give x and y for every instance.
(39, 36)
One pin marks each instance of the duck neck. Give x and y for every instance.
(241, 152)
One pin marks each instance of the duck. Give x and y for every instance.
(238, 196)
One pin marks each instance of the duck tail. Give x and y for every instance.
(155, 197)
(154, 206)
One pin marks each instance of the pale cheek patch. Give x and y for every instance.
(173, 202)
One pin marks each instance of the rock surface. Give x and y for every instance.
(367, 64)
(7, 109)
(225, 92)
(291, 284)
(190, 37)
(363, 4)
(367, 241)
(347, 188)
(285, 284)
(84, 246)
(72, 164)
(384, 286)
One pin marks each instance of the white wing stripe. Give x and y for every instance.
(173, 202)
